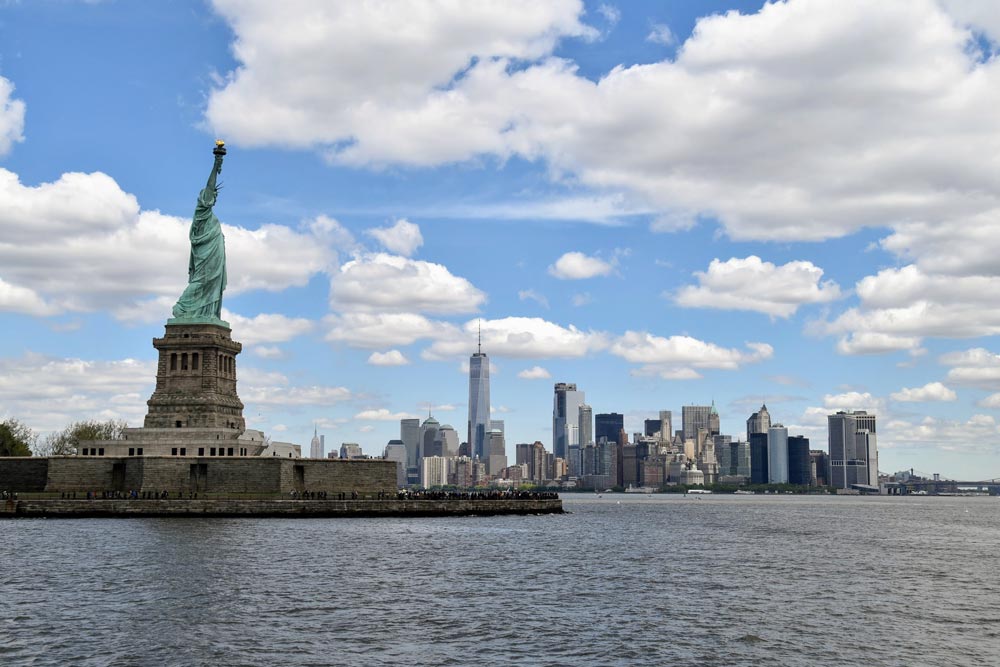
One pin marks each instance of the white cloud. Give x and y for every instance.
(530, 294)
(383, 415)
(901, 306)
(975, 367)
(292, 396)
(661, 34)
(82, 244)
(367, 428)
(666, 372)
(390, 358)
(932, 391)
(534, 373)
(267, 327)
(752, 284)
(405, 106)
(684, 351)
(390, 283)
(854, 400)
(578, 266)
(49, 393)
(867, 342)
(380, 330)
(520, 337)
(978, 434)
(23, 300)
(581, 299)
(610, 13)
(267, 352)
(11, 117)
(279, 428)
(803, 121)
(403, 238)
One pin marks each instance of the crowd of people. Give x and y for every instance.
(131, 494)
(491, 494)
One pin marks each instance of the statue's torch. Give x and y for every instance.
(219, 151)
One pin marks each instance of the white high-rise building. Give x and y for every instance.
(433, 471)
(479, 403)
(316, 446)
(777, 454)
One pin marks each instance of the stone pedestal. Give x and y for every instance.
(196, 379)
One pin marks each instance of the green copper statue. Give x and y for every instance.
(202, 299)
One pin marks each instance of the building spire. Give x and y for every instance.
(479, 349)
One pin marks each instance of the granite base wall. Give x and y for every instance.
(237, 475)
(23, 474)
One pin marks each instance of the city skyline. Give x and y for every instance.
(665, 204)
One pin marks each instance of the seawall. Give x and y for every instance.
(45, 508)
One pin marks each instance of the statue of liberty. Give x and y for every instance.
(202, 299)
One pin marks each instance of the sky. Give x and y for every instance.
(667, 203)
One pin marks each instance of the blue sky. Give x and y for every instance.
(666, 203)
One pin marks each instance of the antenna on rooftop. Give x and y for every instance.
(480, 346)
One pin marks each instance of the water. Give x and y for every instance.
(622, 580)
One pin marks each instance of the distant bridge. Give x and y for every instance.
(937, 486)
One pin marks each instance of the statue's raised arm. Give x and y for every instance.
(202, 299)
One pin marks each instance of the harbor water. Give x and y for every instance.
(618, 580)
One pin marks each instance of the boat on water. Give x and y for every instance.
(639, 489)
(743, 492)
(699, 491)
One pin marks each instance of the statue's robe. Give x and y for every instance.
(207, 266)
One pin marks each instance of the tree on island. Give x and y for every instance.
(16, 439)
(67, 441)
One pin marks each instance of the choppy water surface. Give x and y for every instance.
(622, 580)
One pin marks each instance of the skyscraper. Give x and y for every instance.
(777, 454)
(316, 446)
(853, 451)
(496, 454)
(409, 433)
(666, 426)
(713, 420)
(758, 458)
(799, 468)
(694, 417)
(429, 443)
(396, 451)
(759, 421)
(449, 440)
(479, 403)
(586, 433)
(608, 425)
(565, 411)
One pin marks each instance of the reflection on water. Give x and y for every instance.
(620, 580)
